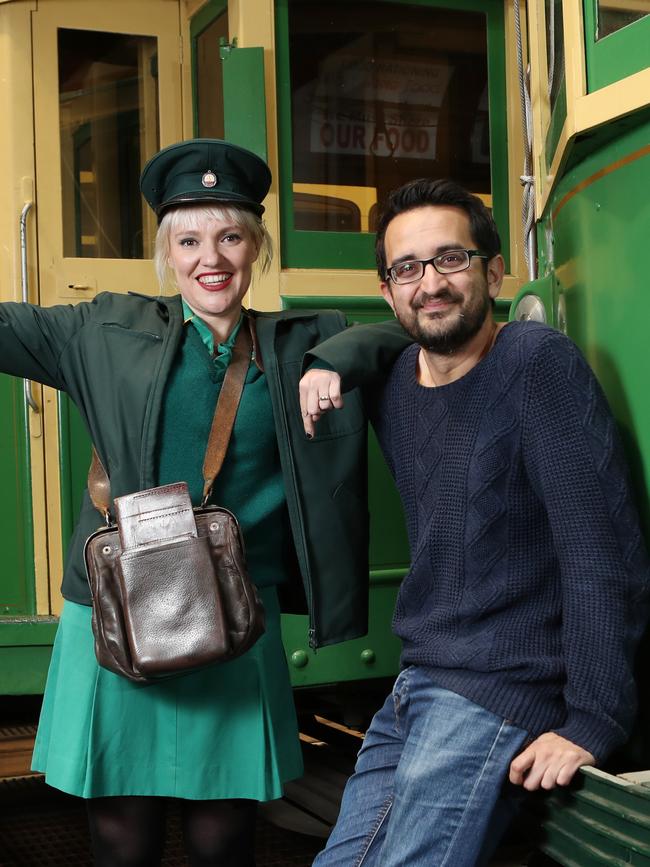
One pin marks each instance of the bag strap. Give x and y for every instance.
(99, 486)
(224, 414)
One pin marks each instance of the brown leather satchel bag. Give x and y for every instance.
(169, 585)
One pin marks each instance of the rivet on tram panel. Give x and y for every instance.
(299, 658)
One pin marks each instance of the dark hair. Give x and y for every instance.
(423, 192)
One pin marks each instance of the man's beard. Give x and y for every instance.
(460, 331)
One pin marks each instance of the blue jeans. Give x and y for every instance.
(426, 791)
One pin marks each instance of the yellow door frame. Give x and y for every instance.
(66, 279)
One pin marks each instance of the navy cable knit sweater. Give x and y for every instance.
(528, 581)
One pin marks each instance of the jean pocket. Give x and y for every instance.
(401, 692)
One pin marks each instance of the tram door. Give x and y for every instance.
(107, 94)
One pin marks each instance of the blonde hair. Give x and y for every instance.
(190, 217)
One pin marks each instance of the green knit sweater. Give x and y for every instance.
(250, 481)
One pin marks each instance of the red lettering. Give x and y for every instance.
(327, 135)
(359, 137)
(343, 136)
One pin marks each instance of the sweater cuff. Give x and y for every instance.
(312, 363)
(589, 732)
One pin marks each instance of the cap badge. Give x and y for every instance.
(209, 179)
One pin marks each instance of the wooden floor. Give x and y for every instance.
(40, 826)
(16, 745)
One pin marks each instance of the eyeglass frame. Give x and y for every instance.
(471, 254)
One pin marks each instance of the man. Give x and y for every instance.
(526, 591)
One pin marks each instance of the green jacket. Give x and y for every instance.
(113, 357)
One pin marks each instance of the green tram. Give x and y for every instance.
(542, 108)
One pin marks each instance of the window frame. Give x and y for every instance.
(198, 24)
(343, 250)
(616, 56)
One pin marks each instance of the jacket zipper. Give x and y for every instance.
(313, 643)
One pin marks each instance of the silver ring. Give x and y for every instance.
(324, 398)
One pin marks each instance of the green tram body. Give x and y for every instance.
(593, 239)
(592, 242)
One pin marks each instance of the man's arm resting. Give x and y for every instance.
(320, 391)
(360, 354)
(574, 460)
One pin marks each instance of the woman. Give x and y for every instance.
(145, 374)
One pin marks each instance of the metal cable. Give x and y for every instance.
(527, 178)
(551, 45)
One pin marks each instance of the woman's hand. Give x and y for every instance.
(320, 391)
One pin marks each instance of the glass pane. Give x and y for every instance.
(209, 78)
(554, 48)
(382, 94)
(108, 109)
(615, 14)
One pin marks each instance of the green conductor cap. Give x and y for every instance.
(205, 170)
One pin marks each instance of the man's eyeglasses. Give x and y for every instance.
(444, 263)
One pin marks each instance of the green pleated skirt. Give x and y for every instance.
(226, 731)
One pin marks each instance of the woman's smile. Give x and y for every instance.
(212, 260)
(215, 281)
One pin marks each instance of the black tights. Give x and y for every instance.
(130, 832)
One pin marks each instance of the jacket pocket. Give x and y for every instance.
(336, 422)
(123, 329)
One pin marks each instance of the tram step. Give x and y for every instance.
(16, 745)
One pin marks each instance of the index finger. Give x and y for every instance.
(309, 391)
(520, 765)
(309, 424)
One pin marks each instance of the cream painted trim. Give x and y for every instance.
(594, 109)
(335, 281)
(511, 285)
(585, 111)
(575, 62)
(561, 153)
(613, 101)
(299, 282)
(18, 171)
(67, 278)
(539, 97)
(39, 508)
(575, 83)
(193, 6)
(252, 23)
(53, 496)
(576, 86)
(186, 70)
(515, 142)
(73, 279)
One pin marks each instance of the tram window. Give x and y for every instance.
(554, 49)
(613, 15)
(209, 77)
(323, 213)
(109, 127)
(384, 93)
